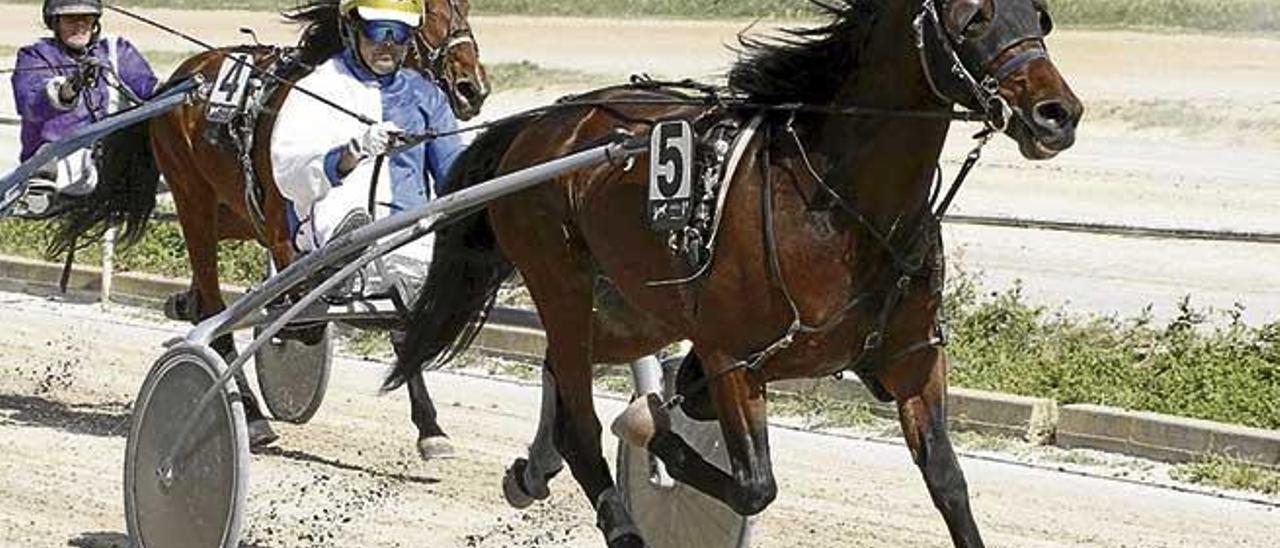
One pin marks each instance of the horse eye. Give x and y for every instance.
(968, 17)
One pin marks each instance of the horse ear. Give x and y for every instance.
(1046, 20)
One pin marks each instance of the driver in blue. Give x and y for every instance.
(323, 161)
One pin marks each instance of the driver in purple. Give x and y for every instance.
(64, 82)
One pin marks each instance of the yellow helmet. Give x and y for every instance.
(408, 12)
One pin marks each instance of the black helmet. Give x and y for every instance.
(54, 8)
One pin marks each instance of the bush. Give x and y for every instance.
(1189, 366)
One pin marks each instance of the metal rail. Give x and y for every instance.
(1106, 229)
(1100, 229)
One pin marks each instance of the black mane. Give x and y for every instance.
(321, 38)
(805, 65)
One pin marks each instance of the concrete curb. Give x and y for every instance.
(517, 334)
(1164, 437)
(1031, 419)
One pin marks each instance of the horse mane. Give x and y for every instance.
(805, 65)
(321, 38)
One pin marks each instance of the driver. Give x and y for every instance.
(324, 161)
(62, 83)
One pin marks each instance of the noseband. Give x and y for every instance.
(951, 59)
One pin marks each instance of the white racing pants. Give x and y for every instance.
(318, 221)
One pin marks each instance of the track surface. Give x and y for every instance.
(351, 478)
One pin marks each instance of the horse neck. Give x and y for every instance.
(884, 163)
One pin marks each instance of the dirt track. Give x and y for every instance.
(351, 478)
(68, 372)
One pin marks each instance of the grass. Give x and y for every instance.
(162, 251)
(1225, 472)
(1203, 363)
(821, 411)
(1210, 15)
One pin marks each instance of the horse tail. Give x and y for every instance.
(124, 196)
(467, 269)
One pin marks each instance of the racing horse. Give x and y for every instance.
(827, 257)
(206, 178)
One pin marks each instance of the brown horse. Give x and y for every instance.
(206, 179)
(828, 255)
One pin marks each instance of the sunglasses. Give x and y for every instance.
(394, 32)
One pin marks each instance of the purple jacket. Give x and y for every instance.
(43, 121)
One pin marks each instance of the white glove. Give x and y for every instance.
(375, 141)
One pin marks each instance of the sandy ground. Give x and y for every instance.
(1221, 171)
(68, 373)
(350, 478)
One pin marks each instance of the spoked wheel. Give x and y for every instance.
(192, 495)
(671, 514)
(293, 375)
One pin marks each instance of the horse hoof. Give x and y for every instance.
(435, 447)
(642, 420)
(628, 540)
(261, 434)
(178, 307)
(514, 492)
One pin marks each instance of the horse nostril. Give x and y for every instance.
(1052, 115)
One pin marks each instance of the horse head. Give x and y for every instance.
(990, 56)
(448, 50)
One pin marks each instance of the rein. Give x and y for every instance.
(247, 64)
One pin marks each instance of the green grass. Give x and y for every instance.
(162, 251)
(1192, 366)
(1211, 15)
(1220, 471)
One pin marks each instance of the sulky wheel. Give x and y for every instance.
(293, 373)
(671, 514)
(194, 496)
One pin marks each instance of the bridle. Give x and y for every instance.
(949, 57)
(458, 33)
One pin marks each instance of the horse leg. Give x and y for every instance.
(432, 441)
(526, 480)
(919, 386)
(561, 286)
(740, 407)
(198, 219)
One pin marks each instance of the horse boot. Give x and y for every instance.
(260, 432)
(613, 520)
(181, 306)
